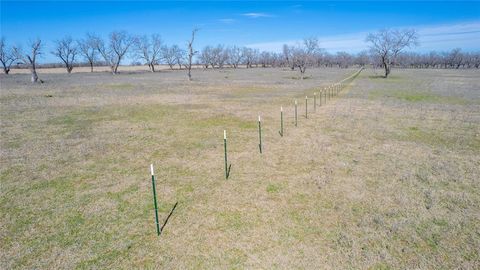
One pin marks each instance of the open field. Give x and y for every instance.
(385, 176)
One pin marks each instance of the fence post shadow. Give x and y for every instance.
(168, 217)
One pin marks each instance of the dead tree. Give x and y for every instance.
(30, 60)
(191, 53)
(149, 49)
(66, 50)
(7, 57)
(387, 44)
(88, 50)
(113, 53)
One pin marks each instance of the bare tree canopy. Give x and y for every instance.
(206, 57)
(88, 50)
(7, 57)
(30, 59)
(191, 53)
(66, 50)
(118, 45)
(250, 56)
(178, 55)
(234, 56)
(168, 55)
(387, 44)
(149, 50)
(304, 55)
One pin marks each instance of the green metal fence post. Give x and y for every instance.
(155, 199)
(260, 134)
(281, 121)
(296, 117)
(227, 168)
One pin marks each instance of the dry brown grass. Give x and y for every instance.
(386, 176)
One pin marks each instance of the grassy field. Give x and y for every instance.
(385, 176)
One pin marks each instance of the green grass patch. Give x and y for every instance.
(417, 97)
(466, 141)
(231, 220)
(273, 188)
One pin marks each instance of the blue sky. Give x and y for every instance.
(340, 26)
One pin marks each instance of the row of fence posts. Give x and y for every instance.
(328, 93)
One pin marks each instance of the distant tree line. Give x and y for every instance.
(386, 51)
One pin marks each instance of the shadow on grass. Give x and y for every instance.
(168, 217)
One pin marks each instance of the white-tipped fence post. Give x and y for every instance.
(155, 199)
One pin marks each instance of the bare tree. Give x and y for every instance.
(191, 53)
(235, 56)
(250, 56)
(118, 45)
(178, 55)
(7, 57)
(362, 58)
(387, 44)
(206, 57)
(344, 59)
(219, 56)
(304, 55)
(30, 59)
(66, 50)
(287, 55)
(149, 49)
(455, 58)
(88, 50)
(168, 55)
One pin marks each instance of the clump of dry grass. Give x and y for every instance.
(371, 180)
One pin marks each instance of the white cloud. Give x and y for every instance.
(444, 37)
(256, 15)
(464, 35)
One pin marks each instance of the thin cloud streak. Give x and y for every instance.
(255, 15)
(435, 37)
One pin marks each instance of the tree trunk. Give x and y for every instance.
(152, 67)
(5, 68)
(189, 73)
(387, 69)
(302, 71)
(91, 66)
(34, 74)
